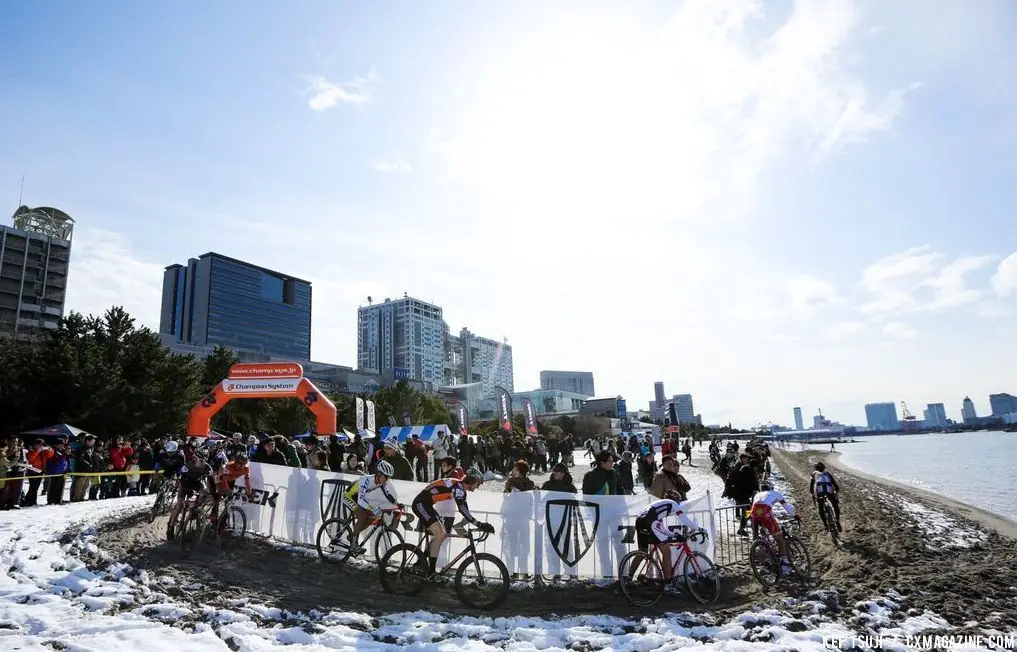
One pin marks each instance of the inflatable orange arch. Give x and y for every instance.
(263, 380)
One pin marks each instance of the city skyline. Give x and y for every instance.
(829, 184)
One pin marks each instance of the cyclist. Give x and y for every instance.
(195, 478)
(224, 479)
(375, 486)
(447, 510)
(438, 492)
(761, 513)
(651, 525)
(824, 487)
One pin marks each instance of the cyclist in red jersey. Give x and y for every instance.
(437, 493)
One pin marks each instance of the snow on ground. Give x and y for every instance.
(50, 599)
(941, 532)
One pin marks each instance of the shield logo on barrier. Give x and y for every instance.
(572, 526)
(330, 500)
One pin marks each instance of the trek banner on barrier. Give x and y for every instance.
(542, 532)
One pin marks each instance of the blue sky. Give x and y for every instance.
(811, 204)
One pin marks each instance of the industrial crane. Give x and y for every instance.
(910, 422)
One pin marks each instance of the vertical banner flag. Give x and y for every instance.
(504, 408)
(464, 419)
(391, 421)
(360, 413)
(671, 420)
(529, 417)
(370, 416)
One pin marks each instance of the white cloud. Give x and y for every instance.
(106, 271)
(325, 94)
(951, 289)
(396, 164)
(900, 331)
(894, 279)
(1004, 281)
(809, 294)
(846, 329)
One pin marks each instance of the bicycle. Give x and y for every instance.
(644, 570)
(829, 518)
(764, 557)
(164, 498)
(407, 565)
(230, 526)
(340, 533)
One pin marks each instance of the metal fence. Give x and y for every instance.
(729, 548)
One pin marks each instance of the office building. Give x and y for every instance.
(551, 402)
(1002, 404)
(968, 410)
(34, 258)
(472, 359)
(935, 415)
(577, 382)
(659, 401)
(683, 406)
(799, 424)
(605, 407)
(403, 338)
(882, 416)
(216, 300)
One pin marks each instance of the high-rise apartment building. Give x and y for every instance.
(799, 423)
(577, 382)
(935, 415)
(34, 258)
(882, 416)
(216, 300)
(683, 406)
(402, 337)
(968, 410)
(1002, 404)
(472, 359)
(659, 402)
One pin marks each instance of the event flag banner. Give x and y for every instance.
(463, 416)
(541, 532)
(359, 402)
(370, 415)
(504, 408)
(529, 417)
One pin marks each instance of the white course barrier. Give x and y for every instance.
(540, 532)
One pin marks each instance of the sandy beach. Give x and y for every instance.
(939, 553)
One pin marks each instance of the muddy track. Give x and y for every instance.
(295, 581)
(883, 548)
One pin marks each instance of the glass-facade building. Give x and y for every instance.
(217, 300)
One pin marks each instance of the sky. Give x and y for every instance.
(765, 205)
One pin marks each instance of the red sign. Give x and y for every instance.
(672, 429)
(266, 370)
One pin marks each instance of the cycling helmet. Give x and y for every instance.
(385, 469)
(671, 494)
(171, 446)
(766, 486)
(457, 474)
(240, 458)
(820, 466)
(475, 475)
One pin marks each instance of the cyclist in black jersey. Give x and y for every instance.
(195, 478)
(439, 491)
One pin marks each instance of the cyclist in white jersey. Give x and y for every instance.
(374, 493)
(651, 524)
(761, 514)
(824, 486)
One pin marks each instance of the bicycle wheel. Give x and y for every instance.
(641, 578)
(387, 539)
(800, 560)
(157, 507)
(765, 565)
(403, 570)
(191, 532)
(482, 581)
(334, 540)
(231, 528)
(702, 578)
(831, 523)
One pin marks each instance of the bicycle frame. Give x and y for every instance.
(470, 549)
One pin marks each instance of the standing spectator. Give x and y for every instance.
(647, 469)
(669, 479)
(146, 462)
(540, 456)
(560, 480)
(416, 453)
(119, 456)
(466, 449)
(519, 479)
(133, 476)
(741, 485)
(602, 480)
(441, 451)
(35, 459)
(86, 461)
(10, 497)
(267, 453)
(624, 469)
(394, 456)
(58, 463)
